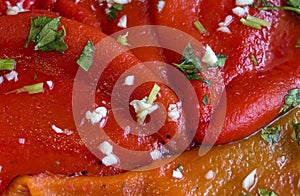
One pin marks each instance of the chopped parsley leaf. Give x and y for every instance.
(113, 11)
(265, 192)
(221, 60)
(180, 168)
(292, 99)
(7, 64)
(296, 127)
(44, 32)
(85, 59)
(253, 59)
(190, 64)
(205, 99)
(271, 134)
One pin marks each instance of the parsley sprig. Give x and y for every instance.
(192, 67)
(271, 134)
(296, 127)
(44, 32)
(86, 57)
(190, 64)
(291, 5)
(113, 11)
(292, 99)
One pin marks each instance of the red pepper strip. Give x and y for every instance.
(254, 100)
(225, 168)
(31, 117)
(248, 85)
(90, 11)
(70, 9)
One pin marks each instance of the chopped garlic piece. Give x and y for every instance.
(244, 2)
(106, 148)
(210, 175)
(127, 130)
(21, 140)
(0, 168)
(177, 173)
(13, 75)
(1, 79)
(122, 1)
(250, 181)
(227, 22)
(110, 159)
(60, 131)
(142, 108)
(160, 5)
(14, 10)
(129, 80)
(122, 22)
(174, 111)
(50, 84)
(97, 115)
(224, 30)
(56, 129)
(239, 11)
(209, 57)
(156, 154)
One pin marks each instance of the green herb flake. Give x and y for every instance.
(35, 76)
(221, 60)
(85, 59)
(205, 99)
(113, 11)
(153, 94)
(265, 192)
(250, 24)
(56, 163)
(258, 21)
(296, 127)
(180, 168)
(271, 134)
(292, 99)
(291, 5)
(7, 64)
(200, 27)
(44, 32)
(124, 184)
(32, 89)
(36, 26)
(122, 39)
(253, 59)
(298, 44)
(190, 64)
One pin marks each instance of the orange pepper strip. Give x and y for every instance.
(221, 171)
